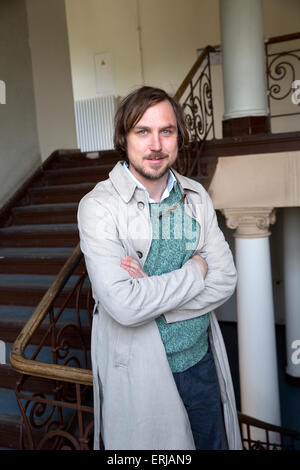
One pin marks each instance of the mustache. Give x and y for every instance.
(156, 155)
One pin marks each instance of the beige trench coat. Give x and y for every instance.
(136, 402)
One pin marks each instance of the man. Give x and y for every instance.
(158, 264)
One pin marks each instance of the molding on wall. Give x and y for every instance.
(246, 145)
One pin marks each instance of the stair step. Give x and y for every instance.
(8, 401)
(31, 294)
(17, 312)
(31, 279)
(22, 313)
(47, 235)
(45, 214)
(10, 426)
(11, 328)
(59, 193)
(39, 261)
(34, 279)
(77, 175)
(76, 160)
(9, 431)
(13, 319)
(9, 378)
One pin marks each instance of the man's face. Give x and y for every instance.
(152, 144)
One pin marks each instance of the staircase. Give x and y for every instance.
(38, 232)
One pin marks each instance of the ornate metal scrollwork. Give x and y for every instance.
(62, 417)
(282, 68)
(197, 106)
(271, 437)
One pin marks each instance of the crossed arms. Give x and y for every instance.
(181, 294)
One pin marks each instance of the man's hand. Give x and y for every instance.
(133, 267)
(202, 263)
(135, 270)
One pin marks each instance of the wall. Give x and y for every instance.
(155, 42)
(171, 31)
(97, 26)
(281, 17)
(52, 75)
(19, 146)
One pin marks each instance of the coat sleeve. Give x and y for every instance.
(131, 302)
(220, 281)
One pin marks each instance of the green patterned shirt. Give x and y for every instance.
(175, 237)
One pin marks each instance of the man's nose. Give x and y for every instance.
(155, 143)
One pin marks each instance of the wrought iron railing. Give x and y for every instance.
(271, 437)
(58, 413)
(195, 97)
(283, 73)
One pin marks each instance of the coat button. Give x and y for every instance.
(140, 254)
(140, 205)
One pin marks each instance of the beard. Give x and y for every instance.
(155, 173)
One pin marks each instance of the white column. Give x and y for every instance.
(291, 263)
(243, 56)
(255, 312)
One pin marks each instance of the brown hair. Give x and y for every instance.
(132, 109)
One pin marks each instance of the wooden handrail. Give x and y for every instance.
(42, 369)
(283, 38)
(193, 71)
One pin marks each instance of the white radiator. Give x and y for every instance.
(94, 123)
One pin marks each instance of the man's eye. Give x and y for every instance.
(166, 131)
(142, 132)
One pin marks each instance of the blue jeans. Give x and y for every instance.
(198, 387)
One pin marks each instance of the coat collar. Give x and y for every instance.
(126, 186)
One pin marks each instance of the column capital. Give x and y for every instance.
(250, 222)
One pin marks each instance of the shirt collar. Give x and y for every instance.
(170, 184)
